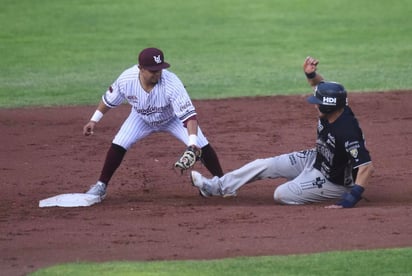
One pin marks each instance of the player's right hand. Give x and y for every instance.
(349, 199)
(88, 128)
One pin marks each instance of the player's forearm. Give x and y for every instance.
(192, 127)
(364, 174)
(102, 107)
(316, 80)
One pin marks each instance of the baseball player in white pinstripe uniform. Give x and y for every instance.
(160, 103)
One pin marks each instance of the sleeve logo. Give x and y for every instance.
(354, 153)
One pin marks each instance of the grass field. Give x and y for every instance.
(69, 52)
(378, 262)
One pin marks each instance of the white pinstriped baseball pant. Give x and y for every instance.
(134, 129)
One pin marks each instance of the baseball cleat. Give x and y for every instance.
(98, 189)
(197, 181)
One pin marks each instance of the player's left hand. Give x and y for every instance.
(310, 64)
(188, 158)
(349, 199)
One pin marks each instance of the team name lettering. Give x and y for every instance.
(152, 109)
(325, 170)
(323, 150)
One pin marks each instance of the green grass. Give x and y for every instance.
(69, 52)
(363, 263)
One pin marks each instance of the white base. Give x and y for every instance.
(70, 200)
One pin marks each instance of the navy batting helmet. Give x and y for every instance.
(330, 96)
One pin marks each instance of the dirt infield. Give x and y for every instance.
(153, 213)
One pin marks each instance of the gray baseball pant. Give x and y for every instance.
(305, 184)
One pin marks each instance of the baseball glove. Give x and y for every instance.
(188, 158)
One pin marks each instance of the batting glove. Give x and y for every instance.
(352, 197)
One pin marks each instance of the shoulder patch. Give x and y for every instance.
(354, 152)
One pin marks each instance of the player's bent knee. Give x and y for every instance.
(282, 195)
(277, 196)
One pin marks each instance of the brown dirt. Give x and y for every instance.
(153, 213)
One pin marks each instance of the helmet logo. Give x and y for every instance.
(329, 101)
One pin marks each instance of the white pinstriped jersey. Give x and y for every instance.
(167, 99)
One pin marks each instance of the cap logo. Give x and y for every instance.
(329, 101)
(157, 59)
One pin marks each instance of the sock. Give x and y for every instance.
(114, 157)
(211, 161)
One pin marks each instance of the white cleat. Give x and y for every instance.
(98, 189)
(197, 181)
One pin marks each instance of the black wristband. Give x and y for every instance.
(311, 75)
